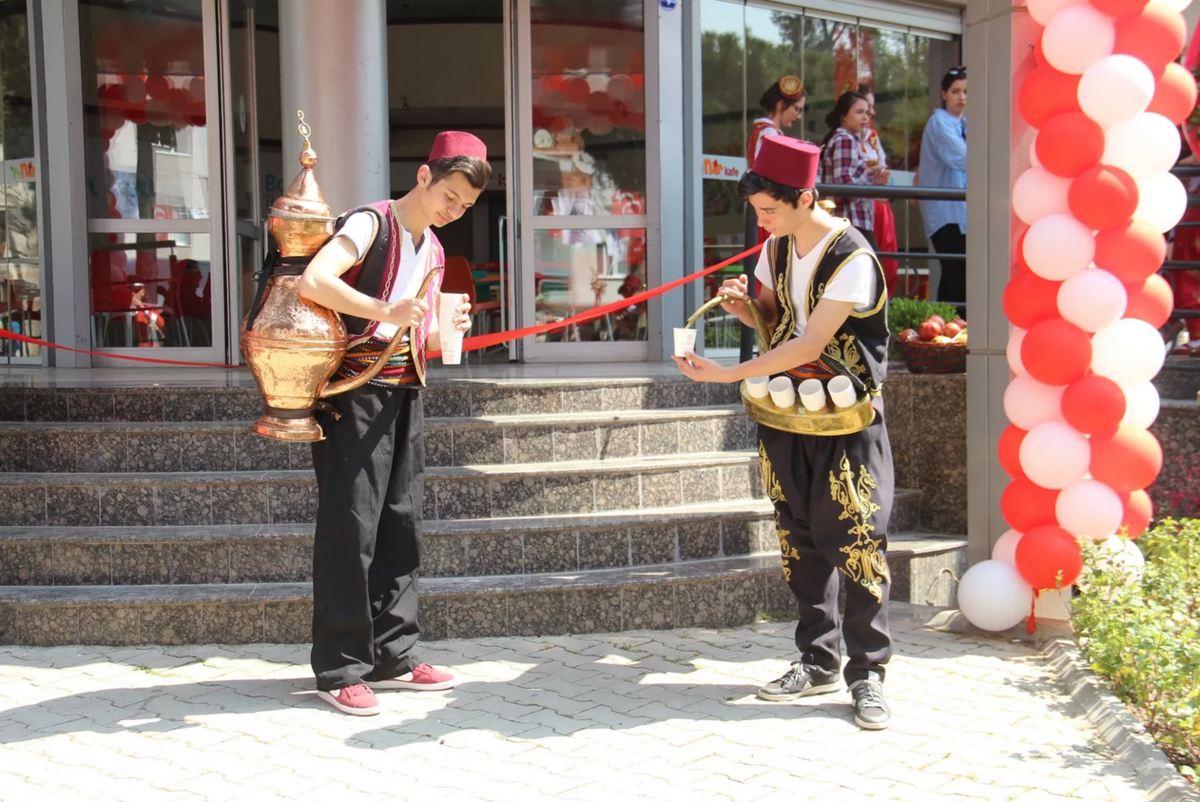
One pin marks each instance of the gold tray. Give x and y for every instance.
(797, 420)
(830, 422)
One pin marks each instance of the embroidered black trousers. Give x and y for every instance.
(833, 498)
(367, 548)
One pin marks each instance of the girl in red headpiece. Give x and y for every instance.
(824, 300)
(371, 468)
(784, 103)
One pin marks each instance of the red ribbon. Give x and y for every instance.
(469, 344)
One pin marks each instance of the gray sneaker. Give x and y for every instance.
(871, 712)
(801, 679)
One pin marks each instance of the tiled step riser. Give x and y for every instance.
(123, 451)
(723, 602)
(440, 401)
(157, 504)
(194, 560)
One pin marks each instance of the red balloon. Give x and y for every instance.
(1029, 299)
(1126, 458)
(195, 88)
(1045, 93)
(599, 104)
(136, 114)
(1131, 251)
(158, 87)
(1048, 557)
(1174, 94)
(1156, 36)
(1103, 197)
(1093, 404)
(1056, 352)
(1039, 55)
(134, 89)
(577, 91)
(1139, 511)
(1119, 8)
(1010, 450)
(1026, 505)
(1069, 143)
(1151, 301)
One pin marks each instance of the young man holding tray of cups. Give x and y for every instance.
(823, 297)
(371, 466)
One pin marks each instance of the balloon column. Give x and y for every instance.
(1084, 300)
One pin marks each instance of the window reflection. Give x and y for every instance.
(580, 269)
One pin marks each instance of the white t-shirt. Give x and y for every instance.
(359, 228)
(772, 131)
(856, 282)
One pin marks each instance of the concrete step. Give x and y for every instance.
(442, 398)
(709, 593)
(176, 555)
(139, 447)
(1179, 378)
(451, 493)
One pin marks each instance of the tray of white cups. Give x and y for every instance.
(811, 406)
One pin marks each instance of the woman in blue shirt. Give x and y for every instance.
(944, 164)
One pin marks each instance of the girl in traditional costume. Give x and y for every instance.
(783, 103)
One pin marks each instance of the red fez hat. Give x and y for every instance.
(788, 161)
(449, 144)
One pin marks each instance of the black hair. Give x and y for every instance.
(840, 109)
(864, 90)
(477, 172)
(773, 97)
(951, 76)
(752, 184)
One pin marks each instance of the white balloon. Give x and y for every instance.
(1013, 352)
(1043, 11)
(1128, 352)
(1029, 403)
(1076, 38)
(1005, 549)
(1142, 404)
(1145, 146)
(1176, 5)
(1054, 455)
(1058, 247)
(1038, 193)
(1162, 201)
(1122, 556)
(993, 596)
(1116, 89)
(1089, 509)
(1092, 299)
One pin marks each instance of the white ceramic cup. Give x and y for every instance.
(782, 392)
(452, 338)
(756, 386)
(685, 341)
(812, 395)
(841, 391)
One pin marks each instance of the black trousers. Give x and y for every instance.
(371, 484)
(953, 286)
(833, 498)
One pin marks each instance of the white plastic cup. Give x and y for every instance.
(685, 341)
(841, 391)
(452, 338)
(756, 386)
(782, 392)
(812, 395)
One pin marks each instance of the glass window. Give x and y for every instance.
(151, 290)
(589, 107)
(580, 269)
(20, 276)
(145, 109)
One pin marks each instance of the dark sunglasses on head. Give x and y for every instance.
(958, 71)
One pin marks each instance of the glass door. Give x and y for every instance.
(581, 116)
(150, 94)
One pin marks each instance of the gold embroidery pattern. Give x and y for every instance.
(775, 493)
(783, 297)
(843, 348)
(770, 482)
(787, 551)
(864, 564)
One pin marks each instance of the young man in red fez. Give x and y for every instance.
(371, 466)
(824, 297)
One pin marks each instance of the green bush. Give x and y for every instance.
(1142, 635)
(909, 313)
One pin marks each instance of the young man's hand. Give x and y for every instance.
(405, 313)
(737, 290)
(462, 319)
(699, 369)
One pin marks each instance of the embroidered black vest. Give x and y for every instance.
(369, 274)
(859, 348)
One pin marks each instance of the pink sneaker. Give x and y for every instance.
(356, 700)
(422, 678)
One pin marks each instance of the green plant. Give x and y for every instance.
(1142, 634)
(909, 313)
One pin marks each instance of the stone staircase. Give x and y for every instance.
(151, 515)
